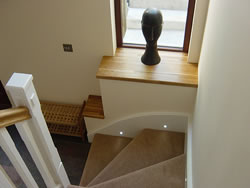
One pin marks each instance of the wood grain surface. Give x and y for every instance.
(126, 65)
(13, 115)
(93, 107)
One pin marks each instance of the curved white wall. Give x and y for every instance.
(123, 99)
(132, 125)
(221, 131)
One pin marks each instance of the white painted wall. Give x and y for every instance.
(123, 100)
(199, 22)
(133, 124)
(32, 34)
(221, 131)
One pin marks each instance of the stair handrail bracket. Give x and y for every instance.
(34, 131)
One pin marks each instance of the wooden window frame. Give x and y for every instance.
(188, 29)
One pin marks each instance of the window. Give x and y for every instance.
(177, 18)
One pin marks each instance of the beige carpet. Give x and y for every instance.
(104, 148)
(148, 148)
(167, 174)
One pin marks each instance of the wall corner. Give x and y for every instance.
(113, 29)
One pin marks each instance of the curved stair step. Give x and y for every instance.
(104, 148)
(148, 148)
(167, 174)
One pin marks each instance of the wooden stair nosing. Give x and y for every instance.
(94, 107)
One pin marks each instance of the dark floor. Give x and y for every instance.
(73, 153)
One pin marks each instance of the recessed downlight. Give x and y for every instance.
(121, 132)
(165, 126)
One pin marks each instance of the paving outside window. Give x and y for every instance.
(174, 21)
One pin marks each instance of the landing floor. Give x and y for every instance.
(73, 153)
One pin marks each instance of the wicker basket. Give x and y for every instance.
(64, 119)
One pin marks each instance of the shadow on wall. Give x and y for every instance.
(131, 126)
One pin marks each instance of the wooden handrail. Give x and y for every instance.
(13, 115)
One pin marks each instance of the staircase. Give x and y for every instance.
(153, 159)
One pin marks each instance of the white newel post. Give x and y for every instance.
(35, 133)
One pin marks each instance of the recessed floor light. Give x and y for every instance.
(121, 132)
(165, 126)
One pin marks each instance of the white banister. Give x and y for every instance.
(5, 181)
(26, 134)
(21, 91)
(10, 150)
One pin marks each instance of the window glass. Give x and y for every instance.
(174, 17)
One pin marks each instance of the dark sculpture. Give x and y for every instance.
(151, 28)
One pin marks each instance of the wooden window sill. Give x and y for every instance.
(126, 65)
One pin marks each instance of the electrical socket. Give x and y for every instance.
(67, 47)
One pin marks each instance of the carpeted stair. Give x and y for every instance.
(103, 150)
(153, 159)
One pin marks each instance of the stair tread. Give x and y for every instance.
(170, 173)
(103, 149)
(148, 148)
(94, 107)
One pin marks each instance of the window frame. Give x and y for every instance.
(187, 35)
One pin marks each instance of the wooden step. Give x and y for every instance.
(148, 148)
(94, 107)
(104, 148)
